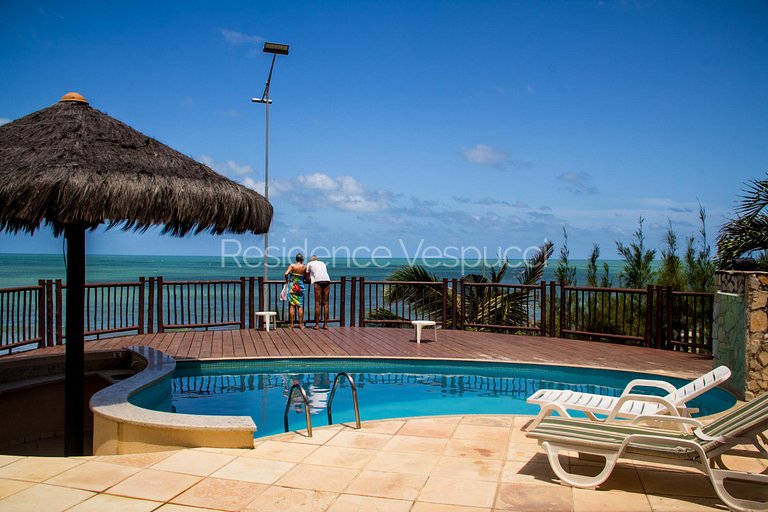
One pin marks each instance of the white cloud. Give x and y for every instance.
(485, 155)
(318, 181)
(229, 168)
(276, 187)
(4, 120)
(343, 193)
(238, 38)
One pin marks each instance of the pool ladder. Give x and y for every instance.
(305, 399)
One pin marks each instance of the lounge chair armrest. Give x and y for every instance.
(683, 422)
(666, 386)
(616, 411)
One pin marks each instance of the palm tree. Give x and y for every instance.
(748, 232)
(482, 304)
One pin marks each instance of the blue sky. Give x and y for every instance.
(411, 124)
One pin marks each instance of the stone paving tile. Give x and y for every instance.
(7, 459)
(340, 456)
(285, 499)
(319, 436)
(452, 491)
(428, 427)
(9, 487)
(470, 469)
(684, 504)
(421, 506)
(523, 451)
(172, 507)
(282, 451)
(410, 444)
(587, 500)
(194, 462)
(251, 469)
(38, 469)
(108, 503)
(395, 462)
(528, 473)
(481, 432)
(318, 478)
(387, 485)
(675, 483)
(43, 497)
(353, 439)
(153, 484)
(140, 460)
(476, 448)
(534, 498)
(351, 503)
(93, 476)
(221, 494)
(488, 421)
(383, 426)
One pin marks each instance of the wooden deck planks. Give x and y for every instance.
(391, 342)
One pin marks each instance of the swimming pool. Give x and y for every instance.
(387, 388)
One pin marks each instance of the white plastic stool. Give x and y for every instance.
(267, 315)
(420, 324)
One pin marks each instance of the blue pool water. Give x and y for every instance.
(386, 389)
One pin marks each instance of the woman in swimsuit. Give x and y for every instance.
(295, 278)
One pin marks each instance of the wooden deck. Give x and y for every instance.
(400, 343)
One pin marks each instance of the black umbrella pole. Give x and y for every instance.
(74, 381)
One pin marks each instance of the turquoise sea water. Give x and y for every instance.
(26, 269)
(386, 389)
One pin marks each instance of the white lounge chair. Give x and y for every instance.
(628, 405)
(701, 448)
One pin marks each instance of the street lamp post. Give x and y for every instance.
(275, 49)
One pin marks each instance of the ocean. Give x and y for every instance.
(26, 269)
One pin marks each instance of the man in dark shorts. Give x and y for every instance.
(318, 276)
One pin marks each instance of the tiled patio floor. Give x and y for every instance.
(447, 464)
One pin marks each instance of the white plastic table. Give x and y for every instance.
(420, 324)
(267, 315)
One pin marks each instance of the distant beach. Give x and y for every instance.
(26, 269)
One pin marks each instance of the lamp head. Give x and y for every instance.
(276, 48)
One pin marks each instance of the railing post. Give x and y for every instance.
(261, 300)
(669, 308)
(552, 307)
(343, 302)
(160, 326)
(454, 298)
(362, 302)
(445, 301)
(543, 321)
(660, 316)
(49, 315)
(59, 312)
(142, 292)
(648, 315)
(151, 306)
(251, 305)
(352, 301)
(41, 332)
(563, 302)
(242, 302)
(462, 315)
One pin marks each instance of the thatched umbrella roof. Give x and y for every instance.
(73, 167)
(72, 164)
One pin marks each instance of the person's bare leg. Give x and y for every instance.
(290, 315)
(301, 317)
(318, 305)
(326, 297)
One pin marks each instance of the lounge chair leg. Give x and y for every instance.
(582, 481)
(718, 476)
(545, 411)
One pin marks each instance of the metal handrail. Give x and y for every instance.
(306, 408)
(354, 399)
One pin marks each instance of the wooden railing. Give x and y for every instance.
(655, 317)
